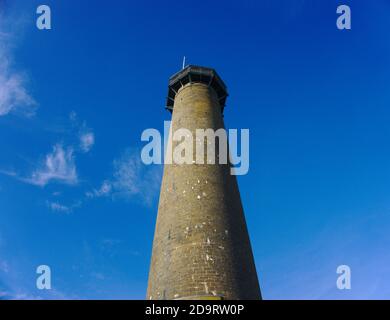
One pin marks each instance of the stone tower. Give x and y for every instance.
(201, 247)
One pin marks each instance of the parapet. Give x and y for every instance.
(196, 74)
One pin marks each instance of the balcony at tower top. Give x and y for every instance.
(196, 74)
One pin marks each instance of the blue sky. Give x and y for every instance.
(74, 101)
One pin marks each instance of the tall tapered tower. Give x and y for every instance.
(201, 247)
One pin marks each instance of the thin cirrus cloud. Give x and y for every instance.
(85, 135)
(61, 208)
(131, 179)
(14, 96)
(59, 166)
(87, 140)
(104, 190)
(57, 207)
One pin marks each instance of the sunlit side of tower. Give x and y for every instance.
(201, 247)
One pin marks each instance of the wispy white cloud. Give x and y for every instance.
(85, 134)
(55, 206)
(14, 96)
(129, 174)
(58, 166)
(87, 140)
(10, 173)
(23, 296)
(104, 190)
(131, 179)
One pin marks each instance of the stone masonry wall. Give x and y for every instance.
(201, 246)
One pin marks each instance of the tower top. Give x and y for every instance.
(196, 74)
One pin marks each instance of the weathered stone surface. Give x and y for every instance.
(201, 246)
